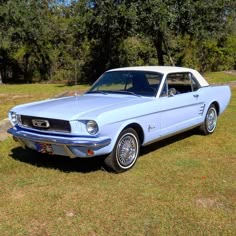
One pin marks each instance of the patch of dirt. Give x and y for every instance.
(232, 84)
(211, 203)
(37, 228)
(14, 96)
(3, 136)
(21, 96)
(18, 195)
(231, 72)
(4, 126)
(70, 213)
(206, 202)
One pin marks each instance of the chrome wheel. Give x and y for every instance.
(127, 150)
(211, 119)
(210, 122)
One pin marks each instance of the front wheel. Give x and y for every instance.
(125, 152)
(209, 125)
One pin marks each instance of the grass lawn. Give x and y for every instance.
(220, 77)
(184, 185)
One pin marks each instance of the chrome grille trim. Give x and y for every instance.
(55, 125)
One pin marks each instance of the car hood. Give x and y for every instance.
(86, 106)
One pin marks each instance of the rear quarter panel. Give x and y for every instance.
(220, 94)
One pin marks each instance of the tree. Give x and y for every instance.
(26, 35)
(108, 23)
(137, 51)
(163, 20)
(156, 19)
(57, 39)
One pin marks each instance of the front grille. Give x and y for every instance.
(54, 124)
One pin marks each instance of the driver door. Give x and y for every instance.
(181, 103)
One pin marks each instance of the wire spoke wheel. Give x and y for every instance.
(210, 122)
(127, 150)
(211, 119)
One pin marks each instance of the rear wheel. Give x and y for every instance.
(210, 122)
(125, 152)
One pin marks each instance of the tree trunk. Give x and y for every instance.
(26, 68)
(0, 78)
(158, 43)
(168, 53)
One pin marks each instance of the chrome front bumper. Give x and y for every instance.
(73, 146)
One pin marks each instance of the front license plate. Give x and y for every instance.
(44, 148)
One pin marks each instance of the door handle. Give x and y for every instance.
(196, 95)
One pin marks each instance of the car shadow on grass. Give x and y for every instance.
(61, 163)
(83, 165)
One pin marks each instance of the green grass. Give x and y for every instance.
(220, 77)
(184, 185)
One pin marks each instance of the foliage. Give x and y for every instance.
(25, 33)
(137, 51)
(207, 55)
(76, 41)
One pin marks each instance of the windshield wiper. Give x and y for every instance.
(126, 92)
(118, 91)
(97, 91)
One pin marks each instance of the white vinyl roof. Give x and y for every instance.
(166, 70)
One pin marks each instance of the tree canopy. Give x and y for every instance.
(78, 40)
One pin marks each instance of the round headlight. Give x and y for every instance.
(92, 127)
(13, 118)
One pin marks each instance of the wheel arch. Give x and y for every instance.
(124, 156)
(138, 129)
(217, 106)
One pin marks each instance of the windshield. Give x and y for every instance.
(142, 83)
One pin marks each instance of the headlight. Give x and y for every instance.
(92, 127)
(13, 118)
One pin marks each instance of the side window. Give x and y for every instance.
(179, 83)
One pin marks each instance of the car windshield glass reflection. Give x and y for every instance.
(128, 82)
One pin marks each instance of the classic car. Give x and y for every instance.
(125, 109)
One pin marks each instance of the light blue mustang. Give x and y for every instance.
(126, 108)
